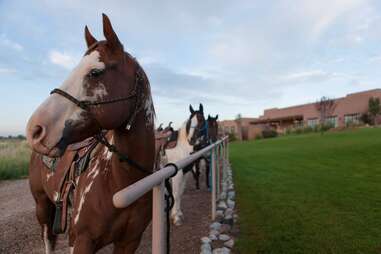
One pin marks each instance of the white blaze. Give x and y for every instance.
(193, 125)
(74, 83)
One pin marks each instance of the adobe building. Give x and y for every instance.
(345, 110)
(241, 128)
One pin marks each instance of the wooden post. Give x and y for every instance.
(158, 220)
(223, 160)
(217, 172)
(213, 167)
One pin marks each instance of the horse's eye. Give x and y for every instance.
(95, 73)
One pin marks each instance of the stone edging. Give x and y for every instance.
(220, 240)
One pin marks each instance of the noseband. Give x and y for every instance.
(85, 105)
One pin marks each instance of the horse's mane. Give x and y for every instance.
(147, 84)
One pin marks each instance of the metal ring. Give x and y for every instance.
(176, 169)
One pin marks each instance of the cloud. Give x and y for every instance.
(319, 16)
(4, 41)
(234, 56)
(7, 71)
(308, 76)
(62, 59)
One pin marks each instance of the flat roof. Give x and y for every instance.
(276, 119)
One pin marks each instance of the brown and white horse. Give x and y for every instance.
(108, 90)
(188, 136)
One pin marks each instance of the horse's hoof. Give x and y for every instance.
(178, 221)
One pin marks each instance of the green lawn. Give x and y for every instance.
(14, 159)
(309, 193)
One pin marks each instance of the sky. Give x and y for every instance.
(232, 56)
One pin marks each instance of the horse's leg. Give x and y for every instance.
(83, 245)
(178, 190)
(196, 173)
(45, 211)
(129, 248)
(207, 171)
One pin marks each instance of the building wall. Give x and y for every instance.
(249, 128)
(240, 128)
(350, 104)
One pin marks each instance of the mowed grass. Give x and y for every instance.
(14, 159)
(309, 193)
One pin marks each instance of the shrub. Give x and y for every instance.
(366, 118)
(325, 127)
(269, 133)
(232, 137)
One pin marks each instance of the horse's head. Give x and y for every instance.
(169, 127)
(104, 91)
(195, 124)
(213, 128)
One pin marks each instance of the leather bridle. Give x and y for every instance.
(86, 105)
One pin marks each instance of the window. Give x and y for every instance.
(332, 120)
(352, 119)
(298, 124)
(312, 122)
(232, 130)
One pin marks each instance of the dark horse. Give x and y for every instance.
(108, 96)
(203, 163)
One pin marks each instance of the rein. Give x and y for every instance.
(100, 137)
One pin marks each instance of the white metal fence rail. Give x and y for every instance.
(125, 197)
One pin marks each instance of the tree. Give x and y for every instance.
(366, 118)
(325, 106)
(374, 108)
(239, 126)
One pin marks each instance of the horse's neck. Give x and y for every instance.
(183, 138)
(138, 144)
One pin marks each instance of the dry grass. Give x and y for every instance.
(14, 159)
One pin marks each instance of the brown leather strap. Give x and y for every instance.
(82, 144)
(68, 187)
(66, 162)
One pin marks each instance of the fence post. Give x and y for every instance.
(227, 149)
(213, 167)
(217, 172)
(223, 161)
(158, 220)
(221, 168)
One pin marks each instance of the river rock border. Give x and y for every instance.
(220, 239)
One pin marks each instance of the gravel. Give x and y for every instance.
(20, 232)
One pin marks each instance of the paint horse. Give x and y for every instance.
(203, 164)
(185, 139)
(162, 139)
(107, 96)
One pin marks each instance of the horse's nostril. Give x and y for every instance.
(38, 133)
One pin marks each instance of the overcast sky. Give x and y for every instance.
(233, 56)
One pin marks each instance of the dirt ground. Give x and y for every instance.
(20, 232)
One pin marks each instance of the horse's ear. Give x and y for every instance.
(110, 35)
(216, 117)
(169, 125)
(191, 109)
(209, 117)
(201, 108)
(90, 40)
